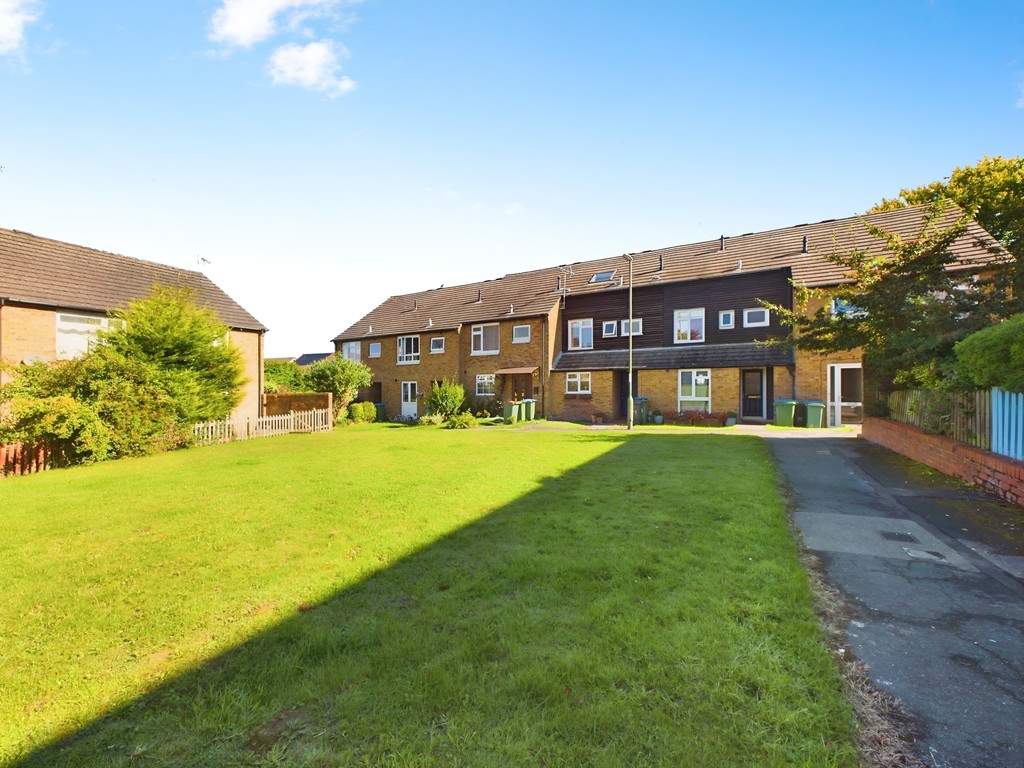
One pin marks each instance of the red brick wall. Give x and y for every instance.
(997, 474)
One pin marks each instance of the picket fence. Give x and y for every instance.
(226, 431)
(990, 419)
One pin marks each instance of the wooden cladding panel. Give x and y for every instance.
(655, 304)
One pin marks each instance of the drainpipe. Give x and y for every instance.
(629, 402)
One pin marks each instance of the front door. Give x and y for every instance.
(522, 386)
(752, 394)
(845, 394)
(409, 400)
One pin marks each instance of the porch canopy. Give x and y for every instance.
(514, 371)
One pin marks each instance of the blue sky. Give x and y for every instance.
(321, 155)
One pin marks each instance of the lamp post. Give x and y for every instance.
(629, 402)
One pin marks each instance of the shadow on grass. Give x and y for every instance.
(645, 608)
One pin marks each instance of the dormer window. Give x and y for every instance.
(603, 277)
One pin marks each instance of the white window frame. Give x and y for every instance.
(409, 356)
(727, 325)
(690, 397)
(845, 308)
(347, 348)
(748, 323)
(434, 349)
(584, 324)
(80, 329)
(478, 338)
(578, 383)
(517, 334)
(638, 327)
(374, 350)
(689, 315)
(486, 379)
(609, 328)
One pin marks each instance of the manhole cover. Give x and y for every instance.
(899, 536)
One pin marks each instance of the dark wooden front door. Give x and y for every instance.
(522, 386)
(753, 394)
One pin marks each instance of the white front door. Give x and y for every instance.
(409, 400)
(845, 394)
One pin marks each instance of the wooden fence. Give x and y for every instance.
(318, 420)
(966, 417)
(18, 459)
(1008, 423)
(992, 419)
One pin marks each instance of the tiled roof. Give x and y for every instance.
(535, 292)
(682, 356)
(312, 357)
(49, 273)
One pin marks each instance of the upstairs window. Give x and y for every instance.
(520, 334)
(609, 328)
(437, 345)
(374, 349)
(352, 350)
(638, 327)
(756, 317)
(603, 277)
(485, 339)
(843, 307)
(689, 324)
(581, 334)
(408, 350)
(726, 320)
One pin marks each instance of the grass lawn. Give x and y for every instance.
(390, 596)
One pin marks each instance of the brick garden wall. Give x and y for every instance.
(281, 404)
(996, 474)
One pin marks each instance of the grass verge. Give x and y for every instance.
(415, 597)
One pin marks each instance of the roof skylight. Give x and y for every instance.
(603, 277)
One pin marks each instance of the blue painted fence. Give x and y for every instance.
(1008, 423)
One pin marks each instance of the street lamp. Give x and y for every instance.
(629, 402)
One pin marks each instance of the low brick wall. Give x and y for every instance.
(996, 474)
(281, 404)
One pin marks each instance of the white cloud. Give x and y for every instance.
(247, 22)
(314, 66)
(14, 15)
(514, 209)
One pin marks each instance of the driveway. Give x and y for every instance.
(933, 572)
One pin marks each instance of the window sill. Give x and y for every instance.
(408, 362)
(485, 352)
(579, 395)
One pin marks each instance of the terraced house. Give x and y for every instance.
(55, 296)
(698, 328)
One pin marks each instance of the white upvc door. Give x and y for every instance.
(409, 400)
(845, 393)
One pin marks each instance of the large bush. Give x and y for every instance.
(994, 357)
(284, 376)
(168, 365)
(342, 378)
(445, 398)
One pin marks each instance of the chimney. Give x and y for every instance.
(430, 323)
(479, 295)
(661, 263)
(721, 243)
(805, 244)
(558, 285)
(511, 309)
(739, 265)
(415, 305)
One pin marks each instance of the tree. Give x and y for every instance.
(342, 378)
(905, 309)
(445, 398)
(198, 364)
(992, 192)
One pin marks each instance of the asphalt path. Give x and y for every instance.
(933, 574)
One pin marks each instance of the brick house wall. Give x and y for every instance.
(27, 333)
(996, 474)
